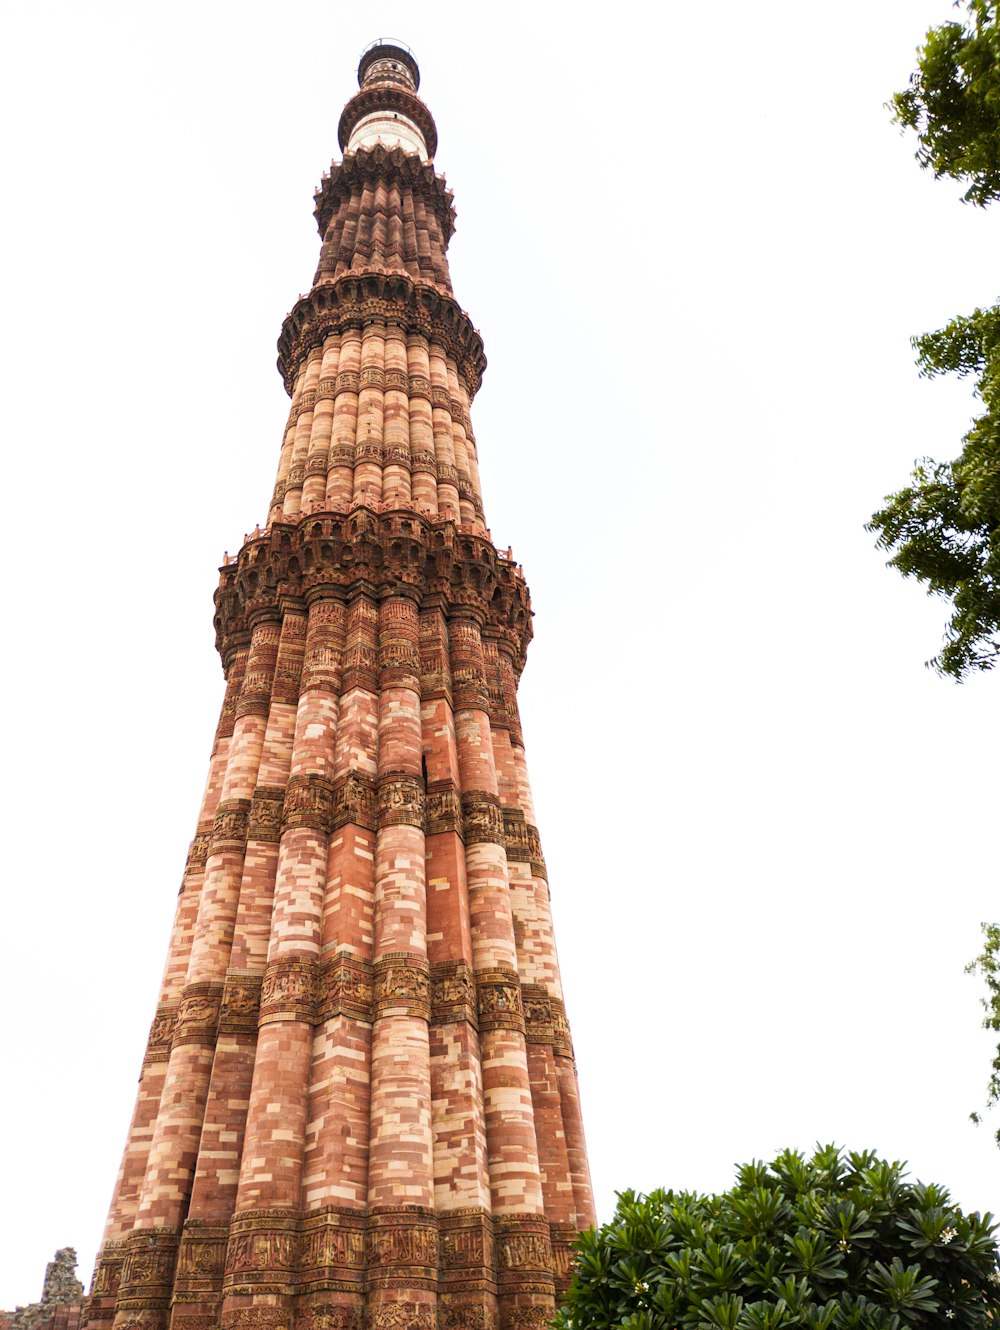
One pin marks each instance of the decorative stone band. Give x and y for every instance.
(524, 1254)
(354, 802)
(107, 1273)
(474, 1310)
(232, 822)
(402, 985)
(288, 671)
(369, 450)
(388, 166)
(161, 1034)
(332, 1252)
(467, 1249)
(563, 1257)
(453, 993)
(538, 1023)
(265, 814)
(308, 803)
(401, 1248)
(280, 1252)
(399, 665)
(263, 1253)
(442, 808)
(482, 818)
(562, 1044)
(435, 671)
(532, 1315)
(522, 841)
(198, 1017)
(288, 991)
(201, 1261)
(328, 1315)
(353, 299)
(400, 800)
(199, 848)
(468, 675)
(421, 459)
(499, 1000)
(240, 1003)
(432, 561)
(347, 989)
(148, 1269)
(234, 666)
(255, 695)
(360, 668)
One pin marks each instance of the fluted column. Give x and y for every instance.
(396, 473)
(544, 944)
(335, 1160)
(461, 1176)
(292, 502)
(340, 475)
(263, 1242)
(368, 440)
(317, 459)
(521, 1229)
(444, 442)
(288, 443)
(400, 1163)
(466, 493)
(423, 466)
(198, 1284)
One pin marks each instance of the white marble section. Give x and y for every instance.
(389, 128)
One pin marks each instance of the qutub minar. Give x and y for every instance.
(358, 1105)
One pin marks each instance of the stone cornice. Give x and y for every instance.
(392, 166)
(391, 553)
(387, 97)
(357, 297)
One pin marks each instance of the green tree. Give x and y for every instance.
(944, 527)
(836, 1242)
(953, 101)
(987, 964)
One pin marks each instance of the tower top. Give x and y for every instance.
(387, 109)
(387, 60)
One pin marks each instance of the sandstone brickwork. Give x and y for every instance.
(358, 1107)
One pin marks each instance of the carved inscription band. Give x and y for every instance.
(301, 989)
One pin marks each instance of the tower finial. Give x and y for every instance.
(387, 109)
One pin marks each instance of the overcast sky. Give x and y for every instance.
(696, 248)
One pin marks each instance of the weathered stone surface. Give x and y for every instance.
(61, 1304)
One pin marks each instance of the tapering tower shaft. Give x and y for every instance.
(358, 1105)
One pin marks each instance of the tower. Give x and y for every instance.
(358, 1104)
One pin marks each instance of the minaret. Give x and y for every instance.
(358, 1107)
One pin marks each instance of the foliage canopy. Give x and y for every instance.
(953, 102)
(944, 527)
(988, 965)
(836, 1242)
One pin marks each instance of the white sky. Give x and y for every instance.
(696, 248)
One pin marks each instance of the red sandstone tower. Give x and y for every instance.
(358, 1107)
